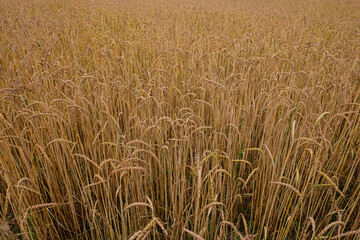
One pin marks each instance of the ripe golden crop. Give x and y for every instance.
(231, 119)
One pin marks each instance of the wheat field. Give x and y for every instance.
(219, 119)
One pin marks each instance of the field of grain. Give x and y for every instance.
(231, 119)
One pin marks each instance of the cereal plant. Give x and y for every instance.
(231, 119)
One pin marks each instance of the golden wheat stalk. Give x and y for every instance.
(194, 235)
(331, 182)
(288, 186)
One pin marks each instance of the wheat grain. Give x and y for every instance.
(196, 236)
(289, 186)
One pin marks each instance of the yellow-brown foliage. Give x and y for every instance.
(179, 119)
